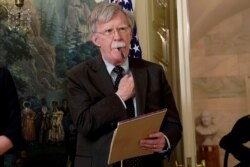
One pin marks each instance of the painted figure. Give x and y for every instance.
(28, 126)
(56, 133)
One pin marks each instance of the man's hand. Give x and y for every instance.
(155, 142)
(126, 87)
(5, 144)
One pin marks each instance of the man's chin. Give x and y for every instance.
(119, 57)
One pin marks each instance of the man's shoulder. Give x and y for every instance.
(82, 66)
(4, 70)
(145, 63)
(245, 120)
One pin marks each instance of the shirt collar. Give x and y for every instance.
(110, 67)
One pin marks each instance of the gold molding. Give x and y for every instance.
(3, 12)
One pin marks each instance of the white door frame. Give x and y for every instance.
(185, 84)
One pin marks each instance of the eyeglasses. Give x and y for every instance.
(111, 31)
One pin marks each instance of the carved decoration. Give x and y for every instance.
(3, 12)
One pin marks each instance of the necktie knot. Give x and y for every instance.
(118, 70)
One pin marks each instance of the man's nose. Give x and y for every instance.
(117, 34)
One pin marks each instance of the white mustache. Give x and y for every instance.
(117, 44)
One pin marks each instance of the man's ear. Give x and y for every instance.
(94, 39)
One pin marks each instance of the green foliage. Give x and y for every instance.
(16, 47)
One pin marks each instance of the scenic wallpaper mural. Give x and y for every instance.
(38, 60)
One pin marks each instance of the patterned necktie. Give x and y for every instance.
(129, 103)
(133, 162)
(119, 71)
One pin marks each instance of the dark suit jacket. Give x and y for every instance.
(233, 141)
(96, 109)
(10, 116)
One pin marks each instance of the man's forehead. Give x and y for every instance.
(111, 24)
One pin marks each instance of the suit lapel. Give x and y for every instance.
(101, 79)
(140, 79)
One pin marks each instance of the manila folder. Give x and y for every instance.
(126, 137)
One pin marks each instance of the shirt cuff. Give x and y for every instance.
(168, 143)
(165, 151)
(122, 101)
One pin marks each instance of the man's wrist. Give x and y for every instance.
(122, 101)
(167, 145)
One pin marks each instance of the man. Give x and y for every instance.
(10, 115)
(234, 141)
(98, 101)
